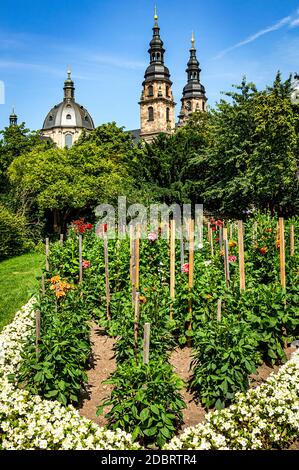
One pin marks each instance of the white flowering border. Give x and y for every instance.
(266, 417)
(29, 422)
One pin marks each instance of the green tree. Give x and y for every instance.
(67, 183)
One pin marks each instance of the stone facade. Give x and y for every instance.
(59, 136)
(191, 105)
(157, 110)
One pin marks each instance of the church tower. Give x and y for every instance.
(13, 118)
(194, 95)
(157, 106)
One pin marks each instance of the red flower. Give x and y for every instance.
(86, 264)
(88, 226)
(219, 223)
(214, 229)
(185, 268)
(232, 259)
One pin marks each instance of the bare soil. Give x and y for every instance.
(103, 364)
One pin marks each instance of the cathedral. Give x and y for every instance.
(66, 121)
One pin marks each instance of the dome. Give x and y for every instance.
(68, 114)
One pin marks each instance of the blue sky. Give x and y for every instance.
(106, 43)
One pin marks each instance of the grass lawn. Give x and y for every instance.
(18, 279)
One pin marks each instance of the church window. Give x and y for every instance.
(167, 114)
(203, 106)
(167, 92)
(151, 113)
(50, 118)
(150, 90)
(68, 140)
(86, 118)
(68, 116)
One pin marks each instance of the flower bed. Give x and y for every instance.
(28, 422)
(264, 418)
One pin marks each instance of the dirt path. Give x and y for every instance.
(103, 365)
(181, 360)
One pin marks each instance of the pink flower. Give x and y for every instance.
(152, 237)
(86, 264)
(232, 259)
(185, 268)
(219, 223)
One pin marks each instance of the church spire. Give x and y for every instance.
(69, 88)
(13, 118)
(194, 95)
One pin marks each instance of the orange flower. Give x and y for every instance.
(221, 252)
(263, 250)
(55, 279)
(269, 230)
(209, 296)
(232, 244)
(60, 293)
(142, 299)
(277, 243)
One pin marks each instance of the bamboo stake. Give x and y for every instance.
(282, 253)
(225, 233)
(136, 322)
(107, 277)
(61, 239)
(292, 240)
(241, 255)
(80, 260)
(47, 254)
(37, 332)
(133, 270)
(209, 231)
(231, 231)
(226, 263)
(146, 343)
(219, 308)
(191, 273)
(172, 263)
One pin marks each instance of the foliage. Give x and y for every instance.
(145, 401)
(225, 354)
(13, 234)
(58, 370)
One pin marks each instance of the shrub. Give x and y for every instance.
(13, 234)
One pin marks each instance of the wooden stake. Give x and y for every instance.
(191, 273)
(131, 251)
(43, 284)
(80, 260)
(47, 254)
(37, 332)
(106, 258)
(221, 237)
(226, 263)
(172, 263)
(61, 239)
(136, 322)
(231, 231)
(282, 253)
(219, 308)
(182, 249)
(138, 235)
(146, 343)
(292, 240)
(224, 233)
(212, 243)
(241, 255)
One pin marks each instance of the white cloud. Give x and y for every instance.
(291, 21)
